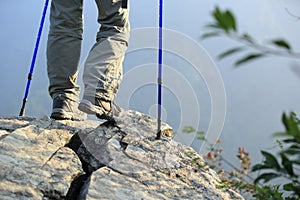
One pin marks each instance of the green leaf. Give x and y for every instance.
(224, 20)
(260, 167)
(292, 150)
(289, 141)
(266, 177)
(297, 162)
(188, 129)
(230, 20)
(200, 133)
(267, 192)
(281, 43)
(288, 187)
(288, 165)
(201, 138)
(291, 124)
(270, 160)
(230, 51)
(210, 34)
(248, 58)
(213, 26)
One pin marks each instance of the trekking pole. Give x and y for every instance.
(160, 62)
(34, 58)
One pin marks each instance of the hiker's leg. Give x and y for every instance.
(103, 67)
(63, 48)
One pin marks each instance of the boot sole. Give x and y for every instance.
(60, 114)
(87, 107)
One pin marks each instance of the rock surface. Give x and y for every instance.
(47, 159)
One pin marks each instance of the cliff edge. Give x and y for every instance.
(47, 159)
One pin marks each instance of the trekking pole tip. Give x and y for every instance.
(22, 111)
(158, 135)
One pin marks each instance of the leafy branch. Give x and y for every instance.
(289, 156)
(225, 24)
(282, 166)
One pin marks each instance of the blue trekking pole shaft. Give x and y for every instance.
(160, 63)
(33, 59)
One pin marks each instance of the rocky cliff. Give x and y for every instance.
(47, 159)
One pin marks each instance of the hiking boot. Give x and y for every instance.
(64, 108)
(101, 108)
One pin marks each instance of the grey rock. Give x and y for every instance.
(129, 163)
(46, 159)
(34, 164)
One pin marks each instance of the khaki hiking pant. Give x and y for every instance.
(103, 67)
